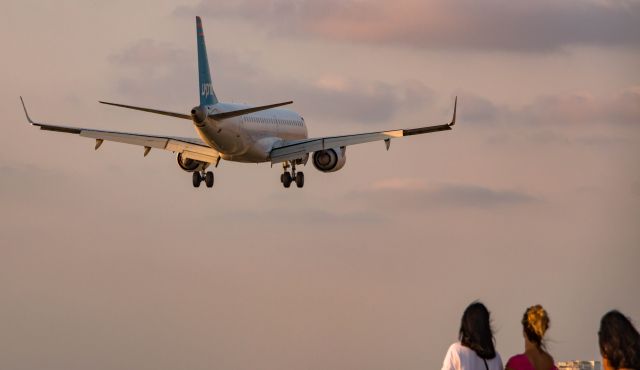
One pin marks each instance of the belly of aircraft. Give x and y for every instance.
(240, 143)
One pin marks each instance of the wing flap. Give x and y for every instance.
(200, 156)
(277, 157)
(126, 138)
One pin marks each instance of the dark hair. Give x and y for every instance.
(475, 330)
(535, 323)
(619, 341)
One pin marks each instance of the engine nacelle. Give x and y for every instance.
(330, 160)
(191, 165)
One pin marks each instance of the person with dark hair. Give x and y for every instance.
(475, 350)
(535, 323)
(619, 342)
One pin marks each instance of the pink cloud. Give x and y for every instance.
(581, 107)
(515, 25)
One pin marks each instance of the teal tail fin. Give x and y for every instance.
(207, 95)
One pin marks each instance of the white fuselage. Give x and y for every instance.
(250, 137)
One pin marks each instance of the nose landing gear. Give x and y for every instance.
(288, 177)
(207, 177)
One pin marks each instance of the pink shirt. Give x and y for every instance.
(521, 362)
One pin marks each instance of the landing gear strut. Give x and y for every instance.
(198, 177)
(288, 177)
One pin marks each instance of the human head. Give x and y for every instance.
(535, 323)
(475, 330)
(619, 341)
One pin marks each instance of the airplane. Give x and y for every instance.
(242, 133)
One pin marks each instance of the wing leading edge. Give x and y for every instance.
(292, 150)
(189, 147)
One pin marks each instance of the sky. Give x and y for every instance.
(112, 260)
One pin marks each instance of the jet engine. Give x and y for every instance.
(198, 115)
(191, 165)
(330, 160)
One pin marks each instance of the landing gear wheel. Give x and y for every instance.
(208, 179)
(286, 179)
(196, 179)
(300, 179)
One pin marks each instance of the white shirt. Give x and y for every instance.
(460, 357)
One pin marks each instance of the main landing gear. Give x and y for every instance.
(199, 176)
(288, 177)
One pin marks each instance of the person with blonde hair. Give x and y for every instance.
(535, 323)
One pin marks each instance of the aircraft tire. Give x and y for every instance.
(196, 179)
(286, 179)
(208, 179)
(300, 179)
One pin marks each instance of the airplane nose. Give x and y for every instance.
(198, 114)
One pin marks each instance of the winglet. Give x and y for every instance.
(25, 112)
(455, 108)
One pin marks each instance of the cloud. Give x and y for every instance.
(415, 194)
(34, 183)
(512, 25)
(156, 71)
(621, 108)
(151, 53)
(635, 188)
(305, 217)
(374, 102)
(475, 196)
(479, 109)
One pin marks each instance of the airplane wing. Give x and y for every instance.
(192, 148)
(292, 150)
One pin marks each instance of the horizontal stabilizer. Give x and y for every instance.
(242, 112)
(149, 110)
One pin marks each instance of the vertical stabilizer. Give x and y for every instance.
(207, 95)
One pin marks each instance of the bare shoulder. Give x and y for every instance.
(550, 360)
(547, 360)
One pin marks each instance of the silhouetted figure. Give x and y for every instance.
(619, 342)
(475, 350)
(535, 323)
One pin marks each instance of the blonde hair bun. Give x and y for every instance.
(535, 323)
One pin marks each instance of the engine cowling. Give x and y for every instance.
(330, 160)
(191, 165)
(199, 115)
